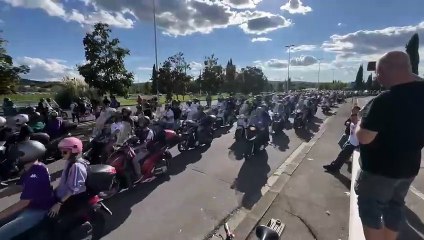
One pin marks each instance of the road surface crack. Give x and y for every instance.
(307, 225)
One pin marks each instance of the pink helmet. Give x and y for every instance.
(71, 143)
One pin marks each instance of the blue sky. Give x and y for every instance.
(47, 34)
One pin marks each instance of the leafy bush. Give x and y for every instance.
(72, 89)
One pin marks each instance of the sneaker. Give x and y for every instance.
(331, 168)
(149, 179)
(139, 179)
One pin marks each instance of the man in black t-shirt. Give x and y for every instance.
(390, 146)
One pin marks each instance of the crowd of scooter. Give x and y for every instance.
(127, 148)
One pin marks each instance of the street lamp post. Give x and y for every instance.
(288, 67)
(156, 46)
(319, 71)
(333, 75)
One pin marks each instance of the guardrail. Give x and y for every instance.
(355, 224)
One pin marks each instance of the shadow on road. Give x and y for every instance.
(179, 163)
(252, 177)
(413, 229)
(342, 178)
(237, 150)
(312, 128)
(121, 204)
(281, 140)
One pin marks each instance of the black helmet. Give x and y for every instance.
(144, 121)
(30, 151)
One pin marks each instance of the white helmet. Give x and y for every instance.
(21, 119)
(2, 121)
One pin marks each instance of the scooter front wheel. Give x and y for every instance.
(183, 146)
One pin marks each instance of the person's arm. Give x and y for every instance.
(17, 207)
(372, 121)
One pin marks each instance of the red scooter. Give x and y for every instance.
(155, 164)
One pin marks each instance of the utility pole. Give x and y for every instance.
(288, 67)
(319, 70)
(333, 75)
(156, 46)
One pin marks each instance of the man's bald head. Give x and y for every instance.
(394, 68)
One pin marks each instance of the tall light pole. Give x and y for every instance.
(333, 74)
(319, 70)
(156, 46)
(288, 67)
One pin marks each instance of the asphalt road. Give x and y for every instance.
(203, 188)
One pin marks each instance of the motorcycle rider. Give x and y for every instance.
(5, 131)
(302, 107)
(169, 117)
(37, 194)
(70, 194)
(245, 108)
(105, 115)
(54, 126)
(145, 136)
(127, 126)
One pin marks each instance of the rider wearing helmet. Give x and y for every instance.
(54, 126)
(5, 131)
(145, 136)
(25, 131)
(37, 194)
(71, 191)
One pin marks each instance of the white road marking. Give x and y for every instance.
(417, 192)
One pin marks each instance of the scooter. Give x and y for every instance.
(256, 141)
(88, 221)
(325, 109)
(194, 135)
(278, 123)
(154, 165)
(298, 119)
(241, 127)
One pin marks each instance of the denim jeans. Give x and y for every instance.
(23, 222)
(344, 155)
(381, 200)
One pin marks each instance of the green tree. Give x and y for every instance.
(9, 73)
(376, 85)
(359, 80)
(280, 87)
(230, 84)
(105, 69)
(368, 84)
(412, 50)
(255, 80)
(179, 78)
(146, 88)
(212, 75)
(153, 89)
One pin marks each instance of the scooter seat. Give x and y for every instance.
(265, 233)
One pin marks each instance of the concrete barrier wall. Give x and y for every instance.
(355, 225)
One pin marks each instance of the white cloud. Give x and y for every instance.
(242, 4)
(47, 69)
(303, 61)
(174, 17)
(340, 24)
(56, 9)
(303, 48)
(271, 64)
(296, 6)
(259, 22)
(195, 66)
(145, 68)
(365, 44)
(261, 39)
